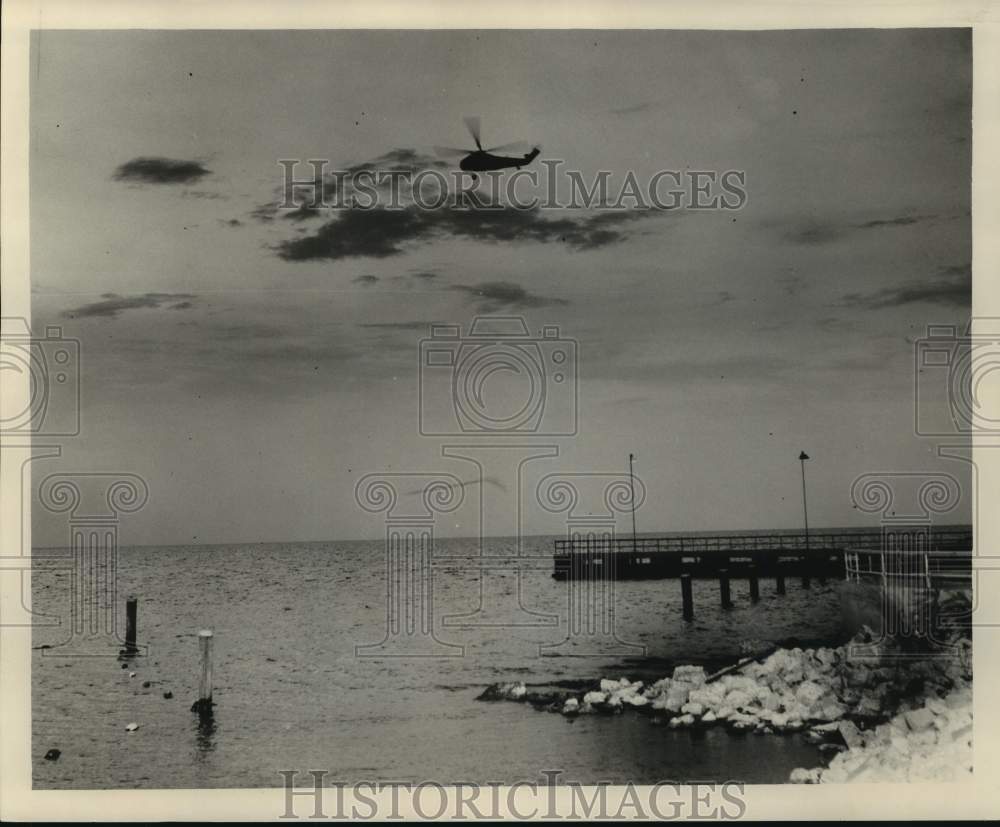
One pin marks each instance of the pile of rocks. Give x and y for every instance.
(929, 742)
(826, 690)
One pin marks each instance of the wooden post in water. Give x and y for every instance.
(131, 625)
(754, 585)
(727, 602)
(779, 582)
(687, 597)
(204, 703)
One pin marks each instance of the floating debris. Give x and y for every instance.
(168, 695)
(131, 727)
(53, 754)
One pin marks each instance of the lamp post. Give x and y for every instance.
(803, 456)
(631, 486)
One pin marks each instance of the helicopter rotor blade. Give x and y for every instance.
(472, 123)
(514, 146)
(451, 151)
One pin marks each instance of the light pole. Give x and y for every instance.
(631, 487)
(805, 511)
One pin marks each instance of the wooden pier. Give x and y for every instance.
(816, 554)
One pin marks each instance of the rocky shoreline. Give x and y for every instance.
(880, 713)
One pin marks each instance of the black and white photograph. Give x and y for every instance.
(436, 414)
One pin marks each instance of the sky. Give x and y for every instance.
(252, 364)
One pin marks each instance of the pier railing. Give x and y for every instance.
(939, 538)
(937, 568)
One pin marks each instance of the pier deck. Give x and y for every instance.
(820, 554)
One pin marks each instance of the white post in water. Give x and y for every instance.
(805, 516)
(205, 637)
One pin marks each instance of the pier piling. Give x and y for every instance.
(727, 602)
(204, 703)
(754, 585)
(779, 583)
(131, 625)
(687, 597)
(806, 583)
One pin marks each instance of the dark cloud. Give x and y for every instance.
(161, 171)
(379, 233)
(302, 213)
(493, 296)
(902, 221)
(814, 232)
(111, 304)
(306, 196)
(952, 287)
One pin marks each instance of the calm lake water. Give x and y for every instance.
(292, 692)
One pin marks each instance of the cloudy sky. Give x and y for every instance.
(252, 364)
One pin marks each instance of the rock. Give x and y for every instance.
(146, 684)
(804, 776)
(851, 734)
(737, 699)
(692, 709)
(808, 693)
(594, 698)
(830, 710)
(686, 720)
(53, 754)
(709, 696)
(676, 697)
(571, 706)
(937, 706)
(919, 719)
(503, 692)
(692, 675)
(131, 674)
(131, 727)
(708, 717)
(868, 707)
(900, 744)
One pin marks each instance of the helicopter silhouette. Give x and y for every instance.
(484, 160)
